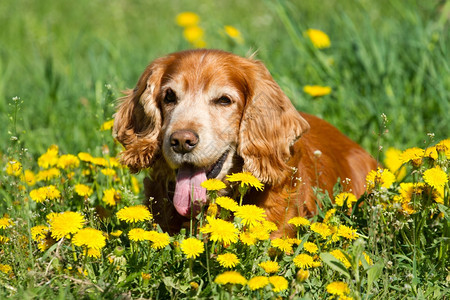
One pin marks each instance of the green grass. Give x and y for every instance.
(69, 61)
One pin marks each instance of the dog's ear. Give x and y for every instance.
(137, 123)
(270, 126)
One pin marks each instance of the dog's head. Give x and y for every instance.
(200, 109)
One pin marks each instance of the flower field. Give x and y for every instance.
(88, 233)
(72, 220)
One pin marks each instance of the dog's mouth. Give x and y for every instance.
(189, 195)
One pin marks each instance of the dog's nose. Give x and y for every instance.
(183, 141)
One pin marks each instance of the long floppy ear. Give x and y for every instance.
(137, 123)
(270, 126)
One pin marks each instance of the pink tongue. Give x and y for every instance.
(187, 186)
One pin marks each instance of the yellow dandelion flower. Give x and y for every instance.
(159, 239)
(250, 215)
(135, 187)
(93, 252)
(86, 157)
(138, 235)
(246, 179)
(299, 221)
(347, 232)
(14, 168)
(258, 282)
(328, 215)
(193, 34)
(435, 177)
(414, 155)
(212, 210)
(334, 236)
(340, 199)
(230, 277)
(367, 258)
(310, 247)
(39, 232)
(444, 147)
(3, 239)
(279, 283)
(187, 19)
(408, 208)
(234, 33)
(192, 247)
(5, 222)
(438, 195)
(228, 260)
(51, 216)
(146, 276)
(49, 158)
(116, 233)
(45, 243)
(227, 203)
(133, 214)
(100, 161)
(90, 238)
(339, 255)
(317, 90)
(431, 152)
(284, 245)
(65, 223)
(47, 175)
(83, 190)
(5, 268)
(260, 232)
(213, 184)
(270, 266)
(108, 172)
(220, 230)
(29, 177)
(303, 261)
(409, 190)
(114, 162)
(247, 238)
(318, 38)
(269, 226)
(107, 125)
(302, 275)
(194, 285)
(393, 161)
(111, 196)
(41, 194)
(68, 161)
(381, 177)
(322, 229)
(338, 288)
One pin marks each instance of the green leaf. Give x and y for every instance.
(373, 273)
(335, 264)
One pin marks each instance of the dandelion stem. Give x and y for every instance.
(74, 253)
(191, 267)
(207, 264)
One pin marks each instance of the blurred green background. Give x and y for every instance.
(69, 60)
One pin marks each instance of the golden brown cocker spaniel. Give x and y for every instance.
(204, 114)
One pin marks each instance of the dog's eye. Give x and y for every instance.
(170, 97)
(224, 101)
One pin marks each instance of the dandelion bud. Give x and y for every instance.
(119, 251)
(212, 210)
(302, 275)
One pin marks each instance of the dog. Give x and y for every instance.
(201, 114)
